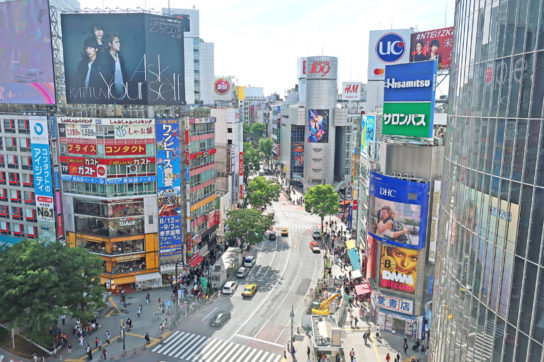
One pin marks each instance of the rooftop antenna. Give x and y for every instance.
(446, 15)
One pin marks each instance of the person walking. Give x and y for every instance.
(139, 310)
(104, 354)
(63, 319)
(308, 351)
(405, 347)
(147, 339)
(69, 347)
(89, 352)
(387, 357)
(108, 337)
(398, 357)
(96, 342)
(352, 354)
(356, 320)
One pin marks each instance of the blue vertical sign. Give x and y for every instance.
(169, 183)
(41, 165)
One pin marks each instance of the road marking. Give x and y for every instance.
(114, 305)
(186, 342)
(213, 351)
(240, 355)
(158, 340)
(159, 347)
(375, 349)
(189, 349)
(264, 300)
(209, 314)
(109, 313)
(258, 340)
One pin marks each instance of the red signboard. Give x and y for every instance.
(221, 86)
(241, 164)
(77, 169)
(241, 192)
(432, 45)
(81, 149)
(320, 68)
(203, 153)
(60, 227)
(104, 161)
(125, 150)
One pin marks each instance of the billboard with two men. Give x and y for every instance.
(123, 59)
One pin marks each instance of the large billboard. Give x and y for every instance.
(26, 59)
(368, 126)
(168, 184)
(409, 92)
(387, 47)
(223, 89)
(398, 211)
(318, 125)
(352, 91)
(298, 154)
(398, 268)
(432, 45)
(123, 59)
(41, 166)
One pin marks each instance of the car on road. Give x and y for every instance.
(314, 246)
(249, 261)
(242, 272)
(272, 235)
(219, 319)
(316, 235)
(229, 287)
(284, 232)
(249, 290)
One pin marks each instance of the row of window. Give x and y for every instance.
(17, 196)
(200, 146)
(11, 144)
(202, 128)
(146, 188)
(14, 125)
(17, 213)
(14, 161)
(16, 229)
(16, 179)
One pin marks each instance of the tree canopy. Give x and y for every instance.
(262, 191)
(321, 200)
(258, 131)
(252, 159)
(249, 225)
(38, 280)
(265, 147)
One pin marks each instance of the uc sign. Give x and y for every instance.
(320, 68)
(390, 47)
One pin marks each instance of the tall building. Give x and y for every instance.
(199, 60)
(488, 303)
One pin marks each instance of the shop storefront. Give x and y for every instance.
(395, 314)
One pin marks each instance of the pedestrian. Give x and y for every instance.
(63, 318)
(352, 354)
(356, 320)
(405, 347)
(99, 344)
(147, 298)
(129, 324)
(139, 310)
(104, 354)
(81, 340)
(147, 339)
(377, 332)
(107, 337)
(89, 352)
(338, 359)
(398, 357)
(405, 340)
(365, 336)
(96, 342)
(69, 347)
(387, 357)
(308, 351)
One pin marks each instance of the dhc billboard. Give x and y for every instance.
(398, 211)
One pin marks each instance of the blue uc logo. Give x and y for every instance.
(390, 47)
(38, 128)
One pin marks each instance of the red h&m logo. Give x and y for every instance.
(351, 88)
(322, 68)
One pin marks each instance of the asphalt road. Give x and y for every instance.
(260, 327)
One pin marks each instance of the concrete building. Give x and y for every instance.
(488, 303)
(199, 60)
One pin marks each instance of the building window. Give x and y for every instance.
(29, 197)
(4, 211)
(30, 214)
(26, 162)
(15, 196)
(229, 142)
(25, 144)
(11, 144)
(13, 178)
(2, 178)
(16, 212)
(13, 161)
(4, 227)
(9, 125)
(27, 180)
(31, 231)
(23, 126)
(17, 229)
(3, 194)
(229, 130)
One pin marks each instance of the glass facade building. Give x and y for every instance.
(488, 303)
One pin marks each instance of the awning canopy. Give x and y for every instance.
(356, 274)
(362, 289)
(123, 280)
(196, 261)
(145, 277)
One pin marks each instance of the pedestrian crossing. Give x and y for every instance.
(198, 348)
(279, 226)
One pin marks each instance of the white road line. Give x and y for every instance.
(204, 356)
(253, 351)
(165, 342)
(259, 352)
(209, 314)
(265, 356)
(272, 357)
(181, 345)
(259, 340)
(264, 300)
(188, 350)
(173, 342)
(224, 348)
(229, 353)
(240, 357)
(209, 343)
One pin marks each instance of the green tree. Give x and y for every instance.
(249, 225)
(321, 200)
(257, 130)
(252, 159)
(246, 132)
(38, 280)
(265, 147)
(262, 191)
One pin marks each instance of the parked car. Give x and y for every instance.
(219, 319)
(242, 272)
(272, 235)
(249, 290)
(249, 261)
(284, 232)
(314, 246)
(229, 287)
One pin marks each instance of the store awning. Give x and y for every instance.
(362, 289)
(145, 277)
(124, 280)
(345, 202)
(356, 274)
(196, 261)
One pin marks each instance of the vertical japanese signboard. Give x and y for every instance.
(41, 161)
(169, 197)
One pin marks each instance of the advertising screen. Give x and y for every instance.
(26, 58)
(169, 193)
(123, 59)
(41, 165)
(387, 47)
(432, 45)
(398, 211)
(368, 125)
(398, 268)
(318, 125)
(298, 154)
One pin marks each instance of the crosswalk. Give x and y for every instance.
(294, 226)
(195, 347)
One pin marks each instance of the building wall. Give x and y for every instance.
(207, 77)
(488, 302)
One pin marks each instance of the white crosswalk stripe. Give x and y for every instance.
(195, 347)
(295, 226)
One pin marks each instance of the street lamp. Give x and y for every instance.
(292, 319)
(123, 335)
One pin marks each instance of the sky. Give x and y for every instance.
(258, 42)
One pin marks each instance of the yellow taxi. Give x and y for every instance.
(284, 232)
(249, 290)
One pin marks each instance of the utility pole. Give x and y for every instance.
(292, 321)
(123, 335)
